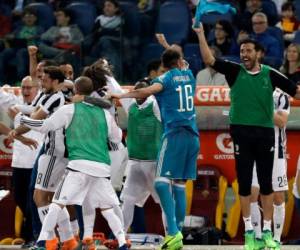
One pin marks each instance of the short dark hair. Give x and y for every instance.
(48, 62)
(29, 10)
(55, 73)
(116, 4)
(288, 6)
(257, 45)
(227, 27)
(153, 65)
(169, 58)
(67, 12)
(84, 85)
(142, 83)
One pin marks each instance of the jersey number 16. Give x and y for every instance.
(186, 99)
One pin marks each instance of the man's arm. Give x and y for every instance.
(281, 118)
(97, 101)
(4, 130)
(114, 132)
(281, 81)
(40, 114)
(59, 119)
(206, 54)
(282, 110)
(32, 51)
(228, 68)
(7, 100)
(162, 40)
(141, 93)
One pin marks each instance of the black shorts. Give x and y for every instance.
(253, 144)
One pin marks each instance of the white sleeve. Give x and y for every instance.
(114, 87)
(25, 109)
(114, 132)
(59, 119)
(7, 100)
(156, 110)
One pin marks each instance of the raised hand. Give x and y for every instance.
(32, 50)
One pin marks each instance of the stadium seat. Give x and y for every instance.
(297, 6)
(151, 51)
(174, 21)
(232, 58)
(131, 28)
(5, 9)
(191, 49)
(211, 18)
(297, 38)
(269, 8)
(192, 56)
(44, 13)
(84, 15)
(277, 33)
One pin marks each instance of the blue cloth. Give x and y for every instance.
(297, 204)
(178, 155)
(138, 225)
(270, 43)
(167, 203)
(176, 100)
(180, 204)
(204, 7)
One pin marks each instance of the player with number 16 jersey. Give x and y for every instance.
(180, 143)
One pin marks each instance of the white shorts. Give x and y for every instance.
(50, 171)
(74, 187)
(103, 195)
(139, 182)
(279, 178)
(119, 160)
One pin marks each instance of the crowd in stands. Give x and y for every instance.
(124, 32)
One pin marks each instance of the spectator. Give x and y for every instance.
(59, 41)
(272, 47)
(291, 64)
(243, 21)
(209, 76)
(279, 4)
(106, 38)
(288, 23)
(224, 38)
(16, 45)
(5, 27)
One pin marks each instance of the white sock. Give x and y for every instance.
(278, 220)
(43, 212)
(248, 224)
(267, 225)
(75, 227)
(88, 214)
(164, 221)
(119, 213)
(256, 219)
(128, 211)
(47, 232)
(64, 225)
(115, 225)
